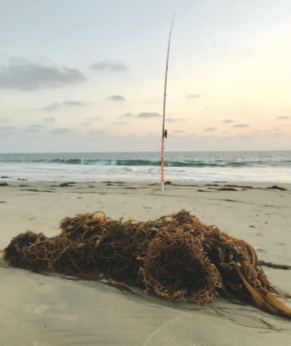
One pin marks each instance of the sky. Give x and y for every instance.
(88, 75)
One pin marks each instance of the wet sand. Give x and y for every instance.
(43, 310)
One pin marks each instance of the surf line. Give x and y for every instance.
(164, 131)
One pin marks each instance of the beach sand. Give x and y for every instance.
(41, 310)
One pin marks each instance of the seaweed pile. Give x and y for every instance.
(177, 257)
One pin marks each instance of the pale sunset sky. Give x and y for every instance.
(88, 75)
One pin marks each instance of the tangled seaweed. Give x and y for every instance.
(178, 257)
(175, 267)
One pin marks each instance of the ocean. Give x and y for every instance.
(229, 166)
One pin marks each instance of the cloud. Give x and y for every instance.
(48, 119)
(97, 133)
(74, 104)
(227, 121)
(178, 131)
(283, 117)
(116, 98)
(58, 105)
(53, 107)
(60, 131)
(240, 125)
(25, 75)
(149, 115)
(4, 120)
(127, 115)
(192, 96)
(94, 118)
(172, 120)
(210, 129)
(113, 66)
(120, 123)
(209, 138)
(7, 128)
(143, 115)
(34, 128)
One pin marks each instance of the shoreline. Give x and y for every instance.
(146, 177)
(17, 182)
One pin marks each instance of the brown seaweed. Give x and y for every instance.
(177, 257)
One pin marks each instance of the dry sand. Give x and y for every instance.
(40, 310)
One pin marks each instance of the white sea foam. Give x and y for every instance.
(269, 167)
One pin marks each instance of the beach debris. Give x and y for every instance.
(4, 177)
(275, 187)
(259, 249)
(36, 190)
(241, 186)
(19, 179)
(275, 266)
(67, 184)
(227, 189)
(31, 190)
(176, 256)
(3, 184)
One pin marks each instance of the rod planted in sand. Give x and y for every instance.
(164, 132)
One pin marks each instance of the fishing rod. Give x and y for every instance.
(165, 132)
